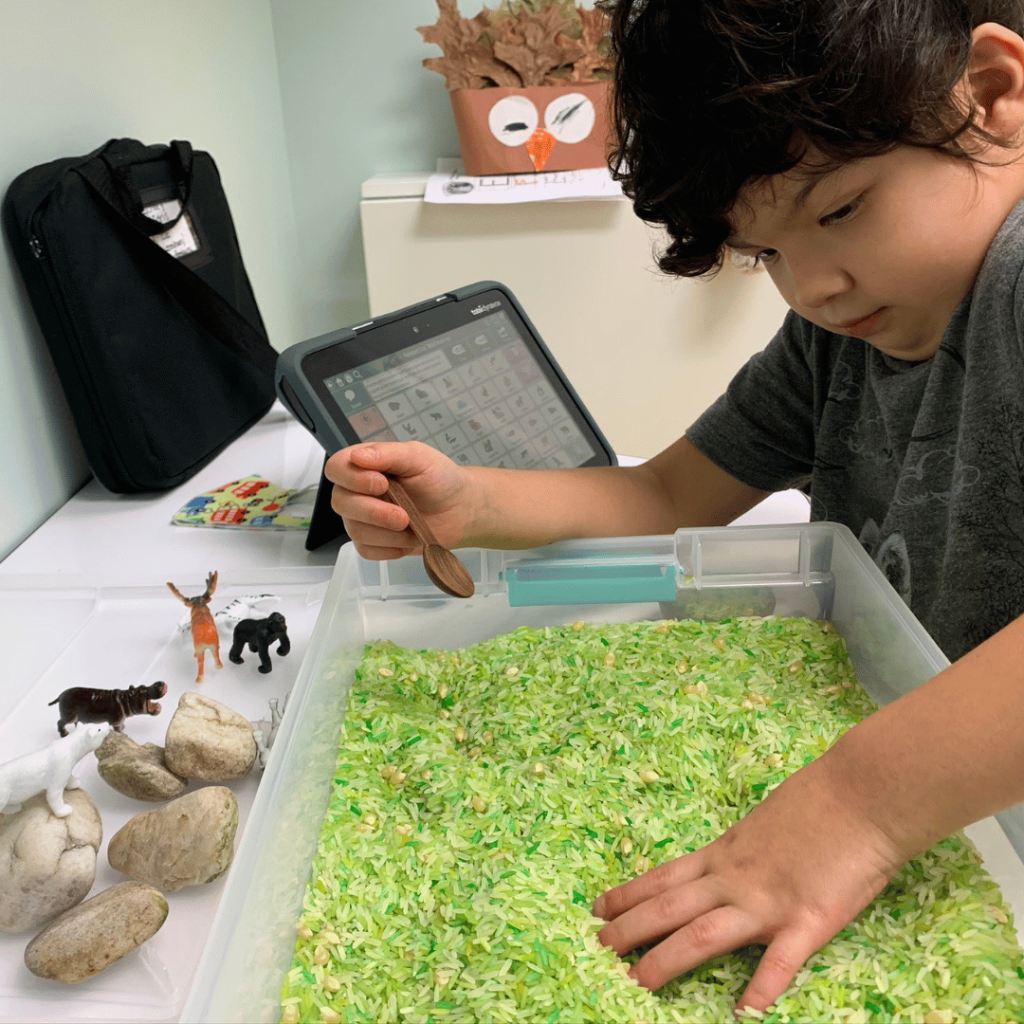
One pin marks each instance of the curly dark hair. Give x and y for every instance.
(711, 95)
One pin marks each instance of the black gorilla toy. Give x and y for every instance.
(259, 634)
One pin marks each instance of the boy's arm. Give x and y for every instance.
(478, 506)
(821, 846)
(680, 487)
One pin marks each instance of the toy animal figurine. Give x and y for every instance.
(50, 770)
(204, 630)
(84, 704)
(259, 634)
(244, 607)
(264, 732)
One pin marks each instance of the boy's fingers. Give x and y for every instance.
(369, 514)
(381, 543)
(651, 883)
(719, 931)
(401, 458)
(401, 542)
(346, 469)
(380, 554)
(662, 914)
(785, 955)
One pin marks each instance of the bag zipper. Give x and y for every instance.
(72, 343)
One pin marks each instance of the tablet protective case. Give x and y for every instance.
(311, 411)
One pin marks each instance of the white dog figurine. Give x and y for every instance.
(50, 770)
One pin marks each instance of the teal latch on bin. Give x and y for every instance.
(589, 584)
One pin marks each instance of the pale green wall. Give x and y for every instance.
(298, 101)
(357, 102)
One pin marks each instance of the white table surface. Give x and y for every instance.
(100, 536)
(97, 532)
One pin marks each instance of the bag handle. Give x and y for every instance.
(119, 164)
(201, 300)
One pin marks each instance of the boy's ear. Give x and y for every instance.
(995, 79)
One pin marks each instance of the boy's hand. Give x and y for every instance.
(790, 875)
(379, 530)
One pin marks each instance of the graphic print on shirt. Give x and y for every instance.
(997, 580)
(853, 452)
(866, 438)
(925, 480)
(844, 386)
(890, 556)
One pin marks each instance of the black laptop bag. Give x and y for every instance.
(132, 266)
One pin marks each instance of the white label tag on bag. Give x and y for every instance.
(179, 240)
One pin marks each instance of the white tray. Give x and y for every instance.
(69, 631)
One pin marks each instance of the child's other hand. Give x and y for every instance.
(378, 528)
(790, 875)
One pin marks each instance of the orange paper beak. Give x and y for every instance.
(539, 146)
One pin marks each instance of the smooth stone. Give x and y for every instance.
(90, 937)
(137, 771)
(191, 841)
(208, 741)
(47, 864)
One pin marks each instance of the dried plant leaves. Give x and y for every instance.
(524, 43)
(529, 44)
(467, 63)
(589, 50)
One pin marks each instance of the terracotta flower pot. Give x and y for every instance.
(536, 128)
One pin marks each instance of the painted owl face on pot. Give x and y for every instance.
(516, 121)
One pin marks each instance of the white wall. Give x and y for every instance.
(646, 353)
(74, 73)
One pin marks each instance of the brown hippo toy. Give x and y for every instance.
(84, 704)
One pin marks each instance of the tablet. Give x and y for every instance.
(465, 372)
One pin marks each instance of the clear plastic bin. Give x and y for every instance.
(816, 570)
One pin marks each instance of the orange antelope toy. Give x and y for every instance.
(204, 630)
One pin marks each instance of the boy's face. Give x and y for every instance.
(882, 248)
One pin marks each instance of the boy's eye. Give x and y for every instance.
(845, 211)
(764, 256)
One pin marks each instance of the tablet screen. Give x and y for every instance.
(475, 392)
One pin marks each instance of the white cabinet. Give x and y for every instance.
(646, 353)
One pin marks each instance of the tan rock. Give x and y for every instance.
(188, 842)
(208, 741)
(47, 864)
(137, 771)
(90, 937)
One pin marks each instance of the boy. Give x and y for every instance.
(869, 154)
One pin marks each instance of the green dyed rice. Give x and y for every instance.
(484, 798)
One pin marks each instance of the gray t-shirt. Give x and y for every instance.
(923, 461)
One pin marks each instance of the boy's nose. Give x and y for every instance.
(815, 283)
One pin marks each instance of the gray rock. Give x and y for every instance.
(189, 842)
(88, 938)
(137, 771)
(47, 864)
(208, 741)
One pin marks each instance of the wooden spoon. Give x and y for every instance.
(445, 570)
